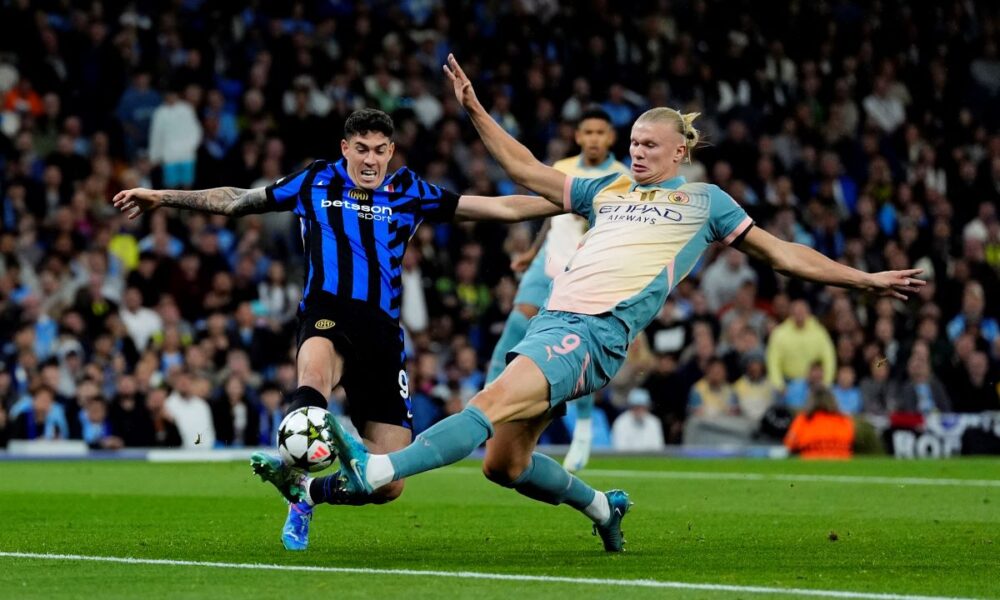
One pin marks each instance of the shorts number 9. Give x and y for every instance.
(404, 384)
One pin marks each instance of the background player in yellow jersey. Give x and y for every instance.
(553, 247)
(648, 230)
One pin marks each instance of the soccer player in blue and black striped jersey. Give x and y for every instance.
(356, 221)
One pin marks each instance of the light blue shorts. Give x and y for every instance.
(535, 285)
(579, 354)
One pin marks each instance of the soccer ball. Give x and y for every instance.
(304, 441)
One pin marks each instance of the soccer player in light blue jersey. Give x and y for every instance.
(648, 229)
(549, 255)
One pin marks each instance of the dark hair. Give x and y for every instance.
(365, 120)
(595, 112)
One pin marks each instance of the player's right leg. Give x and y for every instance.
(567, 353)
(320, 368)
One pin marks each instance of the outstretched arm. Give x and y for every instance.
(509, 209)
(515, 159)
(223, 201)
(805, 263)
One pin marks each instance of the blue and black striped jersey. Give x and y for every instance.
(354, 238)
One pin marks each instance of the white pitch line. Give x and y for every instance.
(635, 583)
(707, 475)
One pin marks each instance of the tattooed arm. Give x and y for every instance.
(230, 201)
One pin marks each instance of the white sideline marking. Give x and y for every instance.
(638, 583)
(707, 475)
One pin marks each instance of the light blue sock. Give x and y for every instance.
(584, 406)
(547, 481)
(450, 440)
(513, 332)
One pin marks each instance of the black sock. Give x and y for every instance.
(329, 490)
(306, 396)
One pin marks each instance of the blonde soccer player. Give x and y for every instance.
(548, 257)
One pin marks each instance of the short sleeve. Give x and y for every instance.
(285, 193)
(435, 204)
(579, 195)
(728, 222)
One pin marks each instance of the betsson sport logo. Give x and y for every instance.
(367, 212)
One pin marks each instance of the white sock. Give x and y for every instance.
(598, 510)
(380, 471)
(583, 431)
(306, 483)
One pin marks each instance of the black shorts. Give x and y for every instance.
(371, 345)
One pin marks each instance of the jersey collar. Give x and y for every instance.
(670, 184)
(604, 166)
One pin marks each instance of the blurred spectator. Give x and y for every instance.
(235, 415)
(190, 413)
(820, 430)
(797, 343)
(129, 418)
(96, 427)
(798, 391)
(723, 279)
(174, 136)
(754, 391)
(140, 322)
(711, 396)
(846, 391)
(135, 112)
(922, 392)
(979, 393)
(878, 392)
(163, 430)
(972, 317)
(637, 429)
(269, 416)
(39, 420)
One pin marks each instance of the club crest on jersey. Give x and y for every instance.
(678, 198)
(324, 324)
(359, 195)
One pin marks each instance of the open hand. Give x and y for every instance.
(136, 201)
(463, 87)
(897, 284)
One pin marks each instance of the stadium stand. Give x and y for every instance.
(871, 136)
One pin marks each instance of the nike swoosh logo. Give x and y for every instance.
(357, 472)
(409, 415)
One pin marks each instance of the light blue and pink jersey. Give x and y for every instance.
(643, 240)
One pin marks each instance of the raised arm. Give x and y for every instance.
(805, 263)
(222, 201)
(515, 159)
(509, 209)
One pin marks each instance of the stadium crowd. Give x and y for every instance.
(871, 136)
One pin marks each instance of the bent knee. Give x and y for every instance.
(388, 492)
(504, 474)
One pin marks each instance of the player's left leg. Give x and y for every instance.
(511, 461)
(378, 400)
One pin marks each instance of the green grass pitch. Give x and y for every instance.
(732, 523)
